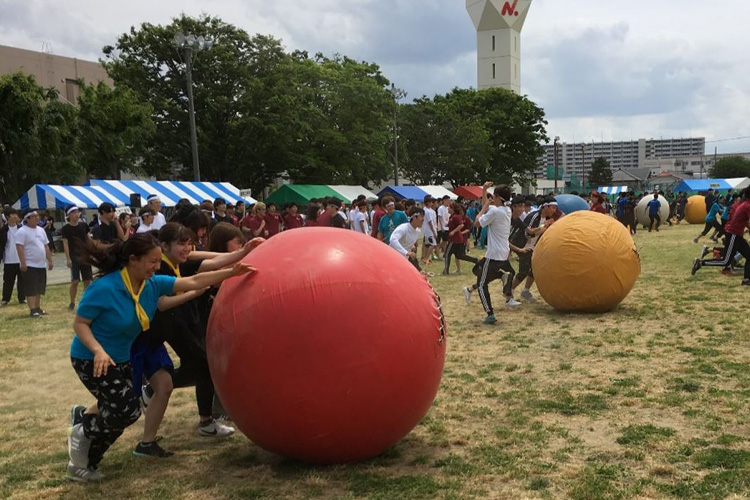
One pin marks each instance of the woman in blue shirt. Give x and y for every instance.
(114, 310)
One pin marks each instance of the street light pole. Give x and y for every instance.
(583, 167)
(188, 44)
(557, 139)
(397, 95)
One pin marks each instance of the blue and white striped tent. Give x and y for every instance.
(171, 192)
(52, 196)
(613, 190)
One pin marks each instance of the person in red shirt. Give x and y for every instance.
(292, 219)
(598, 205)
(273, 221)
(254, 225)
(739, 220)
(324, 216)
(313, 212)
(458, 233)
(377, 214)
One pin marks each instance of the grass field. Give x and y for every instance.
(649, 401)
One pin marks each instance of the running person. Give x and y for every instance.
(735, 241)
(405, 237)
(494, 216)
(457, 239)
(711, 222)
(114, 310)
(654, 206)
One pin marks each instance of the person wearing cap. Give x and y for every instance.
(108, 230)
(75, 235)
(154, 203)
(147, 217)
(390, 220)
(496, 217)
(429, 229)
(9, 255)
(404, 238)
(33, 250)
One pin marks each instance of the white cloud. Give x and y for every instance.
(600, 68)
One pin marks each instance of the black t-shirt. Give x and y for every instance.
(518, 233)
(106, 233)
(227, 218)
(76, 236)
(710, 199)
(338, 221)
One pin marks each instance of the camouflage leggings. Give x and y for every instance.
(118, 405)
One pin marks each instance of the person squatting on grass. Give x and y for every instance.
(114, 310)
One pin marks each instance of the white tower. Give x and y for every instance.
(498, 24)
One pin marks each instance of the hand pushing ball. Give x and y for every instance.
(585, 262)
(332, 352)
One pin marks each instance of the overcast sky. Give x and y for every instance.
(602, 69)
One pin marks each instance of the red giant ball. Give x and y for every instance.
(332, 352)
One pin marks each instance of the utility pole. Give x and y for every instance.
(188, 44)
(557, 139)
(583, 167)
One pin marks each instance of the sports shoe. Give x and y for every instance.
(3, 303)
(212, 428)
(457, 271)
(82, 474)
(444, 273)
(526, 295)
(745, 283)
(35, 314)
(72, 306)
(695, 240)
(490, 319)
(467, 295)
(146, 394)
(696, 266)
(151, 450)
(511, 302)
(22, 302)
(727, 272)
(704, 251)
(76, 415)
(78, 446)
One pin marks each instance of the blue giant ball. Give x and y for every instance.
(569, 203)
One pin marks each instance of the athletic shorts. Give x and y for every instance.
(81, 272)
(429, 241)
(147, 360)
(35, 281)
(442, 236)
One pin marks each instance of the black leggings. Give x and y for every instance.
(487, 271)
(459, 250)
(714, 225)
(733, 244)
(654, 219)
(187, 341)
(118, 405)
(10, 273)
(524, 266)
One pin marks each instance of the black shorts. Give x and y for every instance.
(429, 241)
(442, 236)
(81, 272)
(35, 281)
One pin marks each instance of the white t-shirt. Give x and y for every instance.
(404, 238)
(10, 255)
(34, 242)
(159, 222)
(429, 216)
(358, 217)
(143, 228)
(497, 222)
(443, 218)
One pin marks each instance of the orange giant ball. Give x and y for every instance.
(695, 210)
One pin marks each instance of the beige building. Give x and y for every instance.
(50, 70)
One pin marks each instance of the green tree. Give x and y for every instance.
(730, 167)
(601, 173)
(38, 137)
(116, 129)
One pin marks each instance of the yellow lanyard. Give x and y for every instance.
(139, 311)
(175, 269)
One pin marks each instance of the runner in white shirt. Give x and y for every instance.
(495, 216)
(443, 218)
(405, 237)
(35, 257)
(429, 228)
(154, 203)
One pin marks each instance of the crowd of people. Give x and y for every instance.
(150, 282)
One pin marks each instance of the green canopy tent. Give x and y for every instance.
(301, 194)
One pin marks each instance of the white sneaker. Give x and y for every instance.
(526, 295)
(78, 447)
(215, 429)
(511, 302)
(81, 475)
(467, 295)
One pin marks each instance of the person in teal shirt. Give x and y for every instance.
(390, 221)
(711, 221)
(113, 311)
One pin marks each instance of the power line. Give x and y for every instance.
(727, 140)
